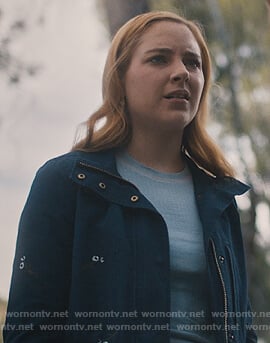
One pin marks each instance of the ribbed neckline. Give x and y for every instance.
(124, 157)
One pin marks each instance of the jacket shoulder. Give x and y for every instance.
(66, 162)
(62, 163)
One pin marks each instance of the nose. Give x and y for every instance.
(179, 73)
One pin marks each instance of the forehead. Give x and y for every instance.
(168, 33)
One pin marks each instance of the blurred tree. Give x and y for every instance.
(3, 308)
(268, 8)
(12, 65)
(120, 11)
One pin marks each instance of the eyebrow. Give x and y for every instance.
(161, 50)
(193, 54)
(170, 51)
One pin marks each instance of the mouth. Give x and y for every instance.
(181, 94)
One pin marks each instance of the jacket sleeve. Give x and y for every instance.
(40, 284)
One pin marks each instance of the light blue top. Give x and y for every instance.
(172, 194)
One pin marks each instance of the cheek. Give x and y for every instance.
(133, 92)
(137, 85)
(131, 83)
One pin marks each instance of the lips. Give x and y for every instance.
(178, 94)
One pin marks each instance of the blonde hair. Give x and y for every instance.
(109, 126)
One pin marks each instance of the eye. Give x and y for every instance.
(193, 63)
(159, 59)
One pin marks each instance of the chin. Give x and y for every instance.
(179, 120)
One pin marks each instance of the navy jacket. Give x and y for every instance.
(93, 252)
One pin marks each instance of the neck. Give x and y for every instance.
(159, 152)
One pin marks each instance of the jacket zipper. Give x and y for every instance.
(224, 291)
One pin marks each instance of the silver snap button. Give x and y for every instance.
(21, 266)
(81, 176)
(134, 198)
(102, 185)
(221, 258)
(95, 258)
(98, 259)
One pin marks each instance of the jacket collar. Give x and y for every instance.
(214, 194)
(218, 192)
(102, 160)
(202, 181)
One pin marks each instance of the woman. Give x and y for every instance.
(134, 236)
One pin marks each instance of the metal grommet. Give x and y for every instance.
(21, 266)
(81, 176)
(134, 198)
(95, 258)
(221, 258)
(231, 337)
(102, 185)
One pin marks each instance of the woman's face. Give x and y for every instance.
(164, 81)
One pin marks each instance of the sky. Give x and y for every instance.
(39, 116)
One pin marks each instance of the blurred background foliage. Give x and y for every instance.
(3, 306)
(11, 65)
(238, 34)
